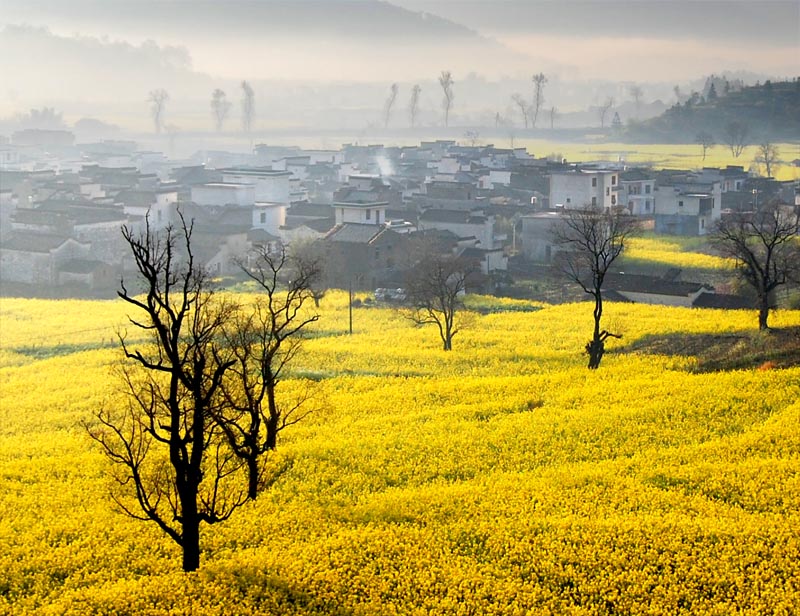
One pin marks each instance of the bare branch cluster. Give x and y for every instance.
(590, 240)
(766, 248)
(202, 406)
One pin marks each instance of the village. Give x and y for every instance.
(366, 208)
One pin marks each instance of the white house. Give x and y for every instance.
(688, 208)
(584, 187)
(362, 213)
(269, 185)
(638, 192)
(269, 217)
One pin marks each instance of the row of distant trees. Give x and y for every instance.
(220, 107)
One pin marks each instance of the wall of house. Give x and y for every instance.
(269, 216)
(241, 195)
(272, 188)
(575, 190)
(360, 215)
(677, 224)
(536, 238)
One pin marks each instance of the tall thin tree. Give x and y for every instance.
(413, 105)
(248, 107)
(446, 82)
(389, 104)
(158, 100)
(539, 81)
(220, 107)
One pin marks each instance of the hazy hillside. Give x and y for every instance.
(770, 110)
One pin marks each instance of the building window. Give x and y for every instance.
(594, 182)
(647, 205)
(569, 200)
(594, 201)
(369, 214)
(263, 217)
(680, 203)
(613, 180)
(608, 191)
(613, 199)
(647, 189)
(702, 223)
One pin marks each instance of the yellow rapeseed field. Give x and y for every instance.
(500, 478)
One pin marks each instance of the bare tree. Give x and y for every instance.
(171, 464)
(446, 81)
(435, 287)
(158, 100)
(706, 141)
(735, 135)
(636, 93)
(263, 341)
(765, 247)
(473, 137)
(539, 81)
(220, 107)
(413, 105)
(590, 240)
(602, 111)
(389, 104)
(553, 116)
(523, 107)
(248, 107)
(768, 157)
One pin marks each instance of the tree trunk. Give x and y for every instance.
(252, 477)
(763, 312)
(190, 539)
(596, 347)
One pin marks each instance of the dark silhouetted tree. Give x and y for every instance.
(602, 111)
(589, 241)
(765, 247)
(171, 462)
(263, 339)
(435, 287)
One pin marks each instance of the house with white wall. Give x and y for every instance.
(269, 185)
(224, 193)
(579, 188)
(688, 208)
(637, 192)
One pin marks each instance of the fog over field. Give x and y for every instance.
(329, 64)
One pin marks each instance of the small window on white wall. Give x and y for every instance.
(369, 214)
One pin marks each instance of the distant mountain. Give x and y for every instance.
(345, 40)
(768, 111)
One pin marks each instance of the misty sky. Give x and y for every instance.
(362, 40)
(101, 57)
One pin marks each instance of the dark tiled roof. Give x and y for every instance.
(647, 284)
(24, 241)
(719, 300)
(354, 233)
(451, 216)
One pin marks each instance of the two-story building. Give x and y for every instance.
(688, 208)
(579, 188)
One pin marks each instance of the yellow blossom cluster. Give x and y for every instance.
(670, 251)
(502, 477)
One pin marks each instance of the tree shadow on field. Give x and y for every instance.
(763, 350)
(270, 592)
